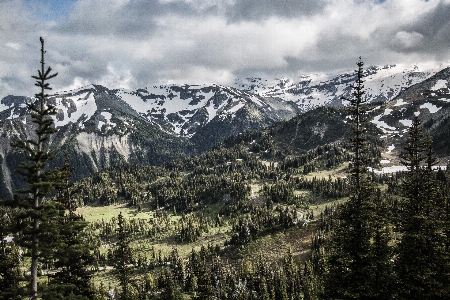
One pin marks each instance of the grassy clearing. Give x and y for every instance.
(274, 246)
(319, 208)
(106, 213)
(340, 171)
(164, 242)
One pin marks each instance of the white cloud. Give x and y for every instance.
(122, 43)
(408, 40)
(116, 78)
(14, 46)
(77, 83)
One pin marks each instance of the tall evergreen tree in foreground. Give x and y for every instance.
(72, 280)
(122, 258)
(33, 228)
(422, 263)
(357, 253)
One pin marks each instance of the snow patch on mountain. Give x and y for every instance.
(391, 169)
(71, 107)
(383, 125)
(400, 102)
(390, 148)
(255, 99)
(12, 115)
(106, 115)
(105, 119)
(394, 169)
(431, 107)
(440, 84)
(235, 108)
(406, 123)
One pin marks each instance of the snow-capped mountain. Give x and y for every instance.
(100, 127)
(388, 124)
(381, 84)
(177, 110)
(183, 110)
(430, 101)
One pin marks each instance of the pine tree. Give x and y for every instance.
(353, 265)
(422, 250)
(34, 228)
(444, 270)
(10, 274)
(73, 252)
(311, 287)
(171, 290)
(122, 258)
(177, 267)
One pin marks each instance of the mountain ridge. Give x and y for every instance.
(100, 127)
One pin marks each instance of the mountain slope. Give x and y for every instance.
(430, 101)
(388, 122)
(100, 127)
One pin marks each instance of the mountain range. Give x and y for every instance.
(98, 126)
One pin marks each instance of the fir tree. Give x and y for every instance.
(170, 291)
(353, 265)
(422, 251)
(34, 228)
(73, 253)
(122, 258)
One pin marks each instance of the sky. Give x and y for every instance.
(138, 43)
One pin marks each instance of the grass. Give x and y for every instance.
(106, 213)
(166, 241)
(317, 209)
(340, 171)
(274, 246)
(267, 244)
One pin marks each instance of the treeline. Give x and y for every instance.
(330, 156)
(204, 274)
(224, 173)
(267, 220)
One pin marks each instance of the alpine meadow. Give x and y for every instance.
(322, 188)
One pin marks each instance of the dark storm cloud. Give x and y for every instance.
(254, 10)
(135, 43)
(129, 20)
(428, 34)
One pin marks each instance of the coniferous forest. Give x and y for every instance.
(254, 218)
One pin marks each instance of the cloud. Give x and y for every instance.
(136, 43)
(407, 40)
(257, 10)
